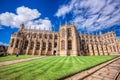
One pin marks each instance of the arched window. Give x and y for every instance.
(50, 36)
(45, 36)
(32, 45)
(40, 35)
(17, 42)
(63, 32)
(38, 46)
(114, 48)
(69, 32)
(55, 36)
(69, 44)
(55, 44)
(44, 46)
(12, 42)
(50, 46)
(62, 45)
(34, 35)
(26, 44)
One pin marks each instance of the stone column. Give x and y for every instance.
(28, 47)
(95, 50)
(40, 50)
(108, 50)
(58, 46)
(34, 48)
(66, 43)
(19, 45)
(105, 49)
(14, 44)
(46, 52)
(90, 50)
(15, 40)
(100, 49)
(53, 41)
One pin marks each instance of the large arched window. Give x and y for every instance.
(69, 44)
(63, 32)
(45, 36)
(34, 35)
(26, 44)
(55, 44)
(55, 36)
(38, 46)
(62, 45)
(50, 46)
(50, 36)
(32, 45)
(114, 48)
(69, 32)
(40, 35)
(12, 42)
(17, 42)
(44, 46)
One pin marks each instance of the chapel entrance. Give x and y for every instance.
(54, 52)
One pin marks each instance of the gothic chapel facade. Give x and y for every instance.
(66, 42)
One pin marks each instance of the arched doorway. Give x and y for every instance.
(54, 52)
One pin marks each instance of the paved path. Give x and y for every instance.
(106, 71)
(18, 61)
(117, 76)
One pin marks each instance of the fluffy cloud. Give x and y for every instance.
(24, 15)
(65, 9)
(42, 24)
(5, 44)
(92, 14)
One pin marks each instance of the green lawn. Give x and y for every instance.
(50, 68)
(13, 57)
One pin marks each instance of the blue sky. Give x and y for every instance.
(88, 15)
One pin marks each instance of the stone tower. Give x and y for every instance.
(68, 40)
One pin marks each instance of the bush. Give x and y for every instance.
(2, 54)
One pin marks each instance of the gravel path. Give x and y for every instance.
(18, 61)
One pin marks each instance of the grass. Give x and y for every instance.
(51, 68)
(13, 57)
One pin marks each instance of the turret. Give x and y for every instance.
(21, 27)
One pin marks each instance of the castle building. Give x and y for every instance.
(66, 42)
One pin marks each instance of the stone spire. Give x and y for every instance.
(21, 27)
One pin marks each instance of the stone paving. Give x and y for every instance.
(106, 71)
(18, 61)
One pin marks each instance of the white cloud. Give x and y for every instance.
(92, 14)
(63, 10)
(42, 24)
(5, 44)
(30, 17)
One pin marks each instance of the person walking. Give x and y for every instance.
(17, 54)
